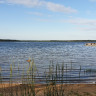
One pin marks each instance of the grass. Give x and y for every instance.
(54, 76)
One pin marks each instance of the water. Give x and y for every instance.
(44, 53)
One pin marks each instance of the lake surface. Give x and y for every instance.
(44, 53)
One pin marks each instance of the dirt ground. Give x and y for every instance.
(69, 89)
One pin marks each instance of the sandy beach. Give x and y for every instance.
(69, 89)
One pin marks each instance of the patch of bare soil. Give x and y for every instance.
(69, 89)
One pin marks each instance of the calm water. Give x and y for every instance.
(45, 52)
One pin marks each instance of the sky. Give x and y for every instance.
(48, 19)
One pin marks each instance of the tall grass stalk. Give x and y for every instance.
(0, 75)
(11, 70)
(59, 71)
(11, 73)
(62, 72)
(80, 71)
(66, 73)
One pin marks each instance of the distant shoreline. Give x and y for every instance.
(10, 40)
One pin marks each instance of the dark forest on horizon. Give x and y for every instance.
(10, 40)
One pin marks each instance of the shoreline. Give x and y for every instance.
(13, 40)
(15, 84)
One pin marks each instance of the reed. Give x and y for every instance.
(11, 74)
(56, 74)
(0, 75)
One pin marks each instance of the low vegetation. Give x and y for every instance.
(55, 84)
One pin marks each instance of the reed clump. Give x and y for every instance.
(55, 78)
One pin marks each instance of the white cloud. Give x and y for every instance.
(88, 25)
(88, 29)
(1, 1)
(70, 16)
(42, 3)
(45, 20)
(59, 8)
(30, 3)
(35, 13)
(80, 21)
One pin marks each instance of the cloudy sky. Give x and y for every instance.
(48, 19)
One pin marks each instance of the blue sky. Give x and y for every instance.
(48, 19)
